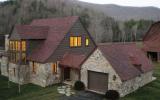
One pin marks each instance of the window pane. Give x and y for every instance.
(71, 42)
(19, 45)
(16, 44)
(79, 41)
(54, 68)
(87, 41)
(13, 45)
(75, 41)
(23, 45)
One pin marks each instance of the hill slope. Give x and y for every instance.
(125, 12)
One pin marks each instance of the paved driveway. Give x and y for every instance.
(83, 96)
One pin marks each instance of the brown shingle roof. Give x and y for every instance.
(32, 32)
(72, 60)
(58, 27)
(120, 56)
(151, 39)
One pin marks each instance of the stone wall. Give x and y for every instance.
(74, 75)
(44, 76)
(4, 62)
(134, 84)
(23, 73)
(97, 62)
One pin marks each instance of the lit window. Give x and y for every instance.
(79, 41)
(75, 41)
(87, 41)
(23, 45)
(54, 68)
(19, 46)
(71, 41)
(13, 45)
(16, 42)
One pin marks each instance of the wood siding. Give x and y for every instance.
(64, 46)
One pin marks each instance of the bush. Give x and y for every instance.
(112, 95)
(79, 86)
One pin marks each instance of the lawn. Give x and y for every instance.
(33, 92)
(28, 92)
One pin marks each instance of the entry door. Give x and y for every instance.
(97, 81)
(67, 73)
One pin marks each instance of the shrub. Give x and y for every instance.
(112, 95)
(79, 86)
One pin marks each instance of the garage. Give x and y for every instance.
(97, 81)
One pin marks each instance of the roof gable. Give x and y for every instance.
(58, 29)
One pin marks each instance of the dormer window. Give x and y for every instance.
(75, 41)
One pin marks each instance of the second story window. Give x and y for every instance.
(87, 41)
(75, 41)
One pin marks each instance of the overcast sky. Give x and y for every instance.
(136, 3)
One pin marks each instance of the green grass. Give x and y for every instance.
(33, 92)
(148, 92)
(28, 92)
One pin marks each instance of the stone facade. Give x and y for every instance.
(98, 63)
(43, 75)
(4, 64)
(134, 84)
(19, 74)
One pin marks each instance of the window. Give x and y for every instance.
(23, 45)
(75, 41)
(54, 68)
(34, 66)
(17, 49)
(87, 41)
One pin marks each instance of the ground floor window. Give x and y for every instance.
(54, 68)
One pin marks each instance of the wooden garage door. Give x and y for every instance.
(97, 81)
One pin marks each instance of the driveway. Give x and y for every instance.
(83, 96)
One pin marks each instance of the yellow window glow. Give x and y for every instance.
(71, 41)
(19, 46)
(13, 45)
(75, 41)
(54, 68)
(16, 45)
(79, 41)
(23, 45)
(87, 42)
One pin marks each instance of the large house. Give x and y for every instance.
(151, 42)
(50, 51)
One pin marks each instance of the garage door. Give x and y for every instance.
(97, 81)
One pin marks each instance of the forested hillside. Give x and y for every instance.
(102, 27)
